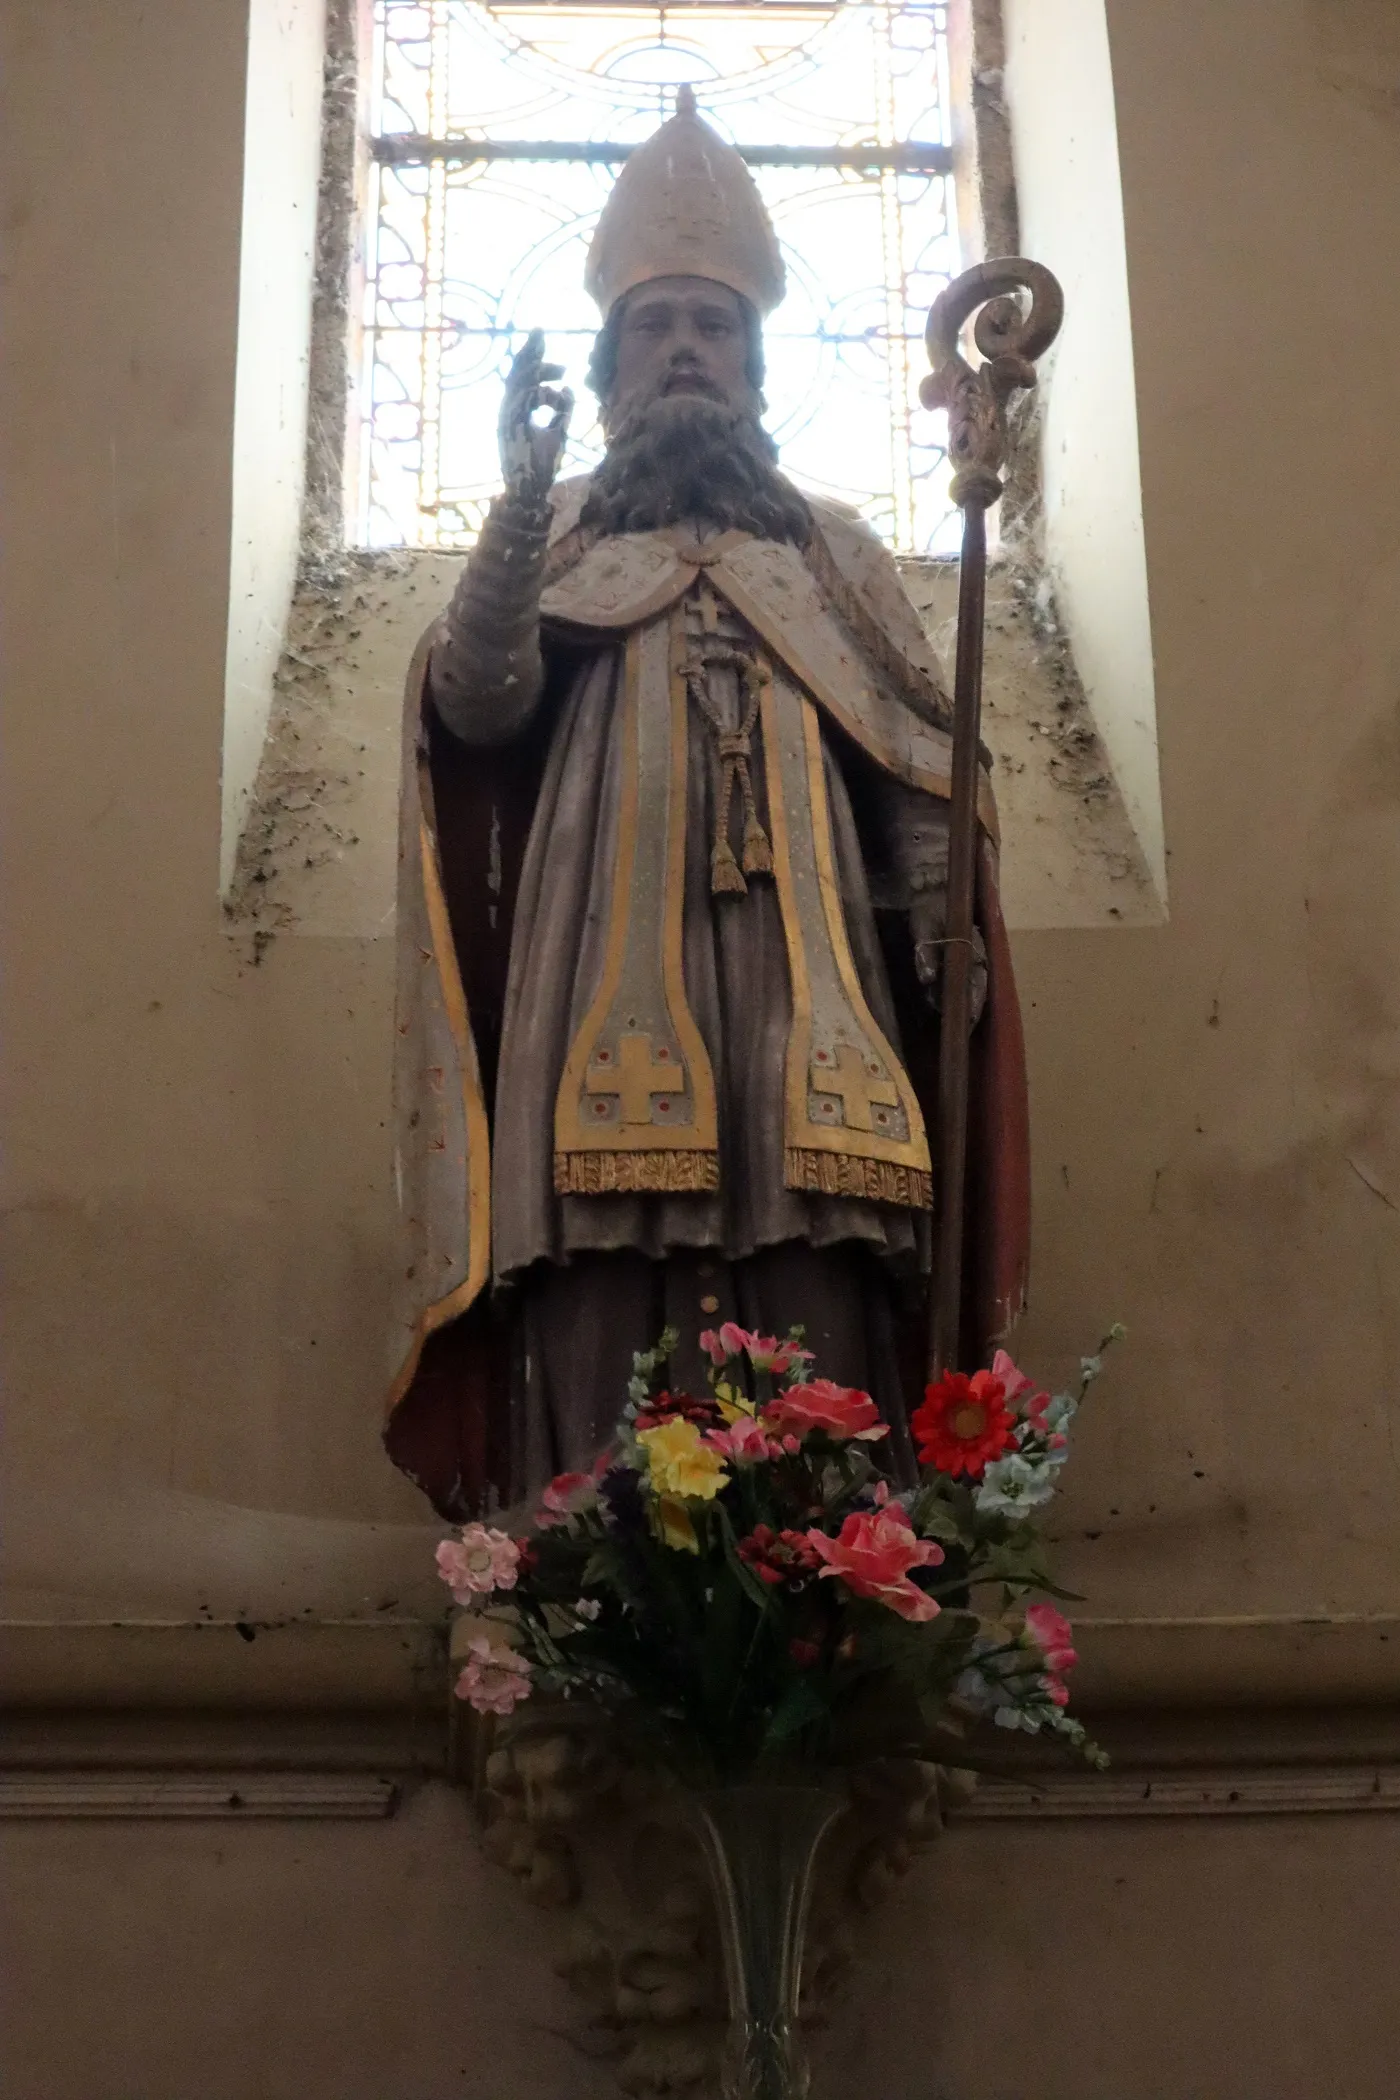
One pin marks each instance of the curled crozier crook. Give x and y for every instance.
(1010, 340)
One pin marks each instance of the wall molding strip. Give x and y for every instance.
(186, 1796)
(1273, 1791)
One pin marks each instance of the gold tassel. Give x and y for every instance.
(758, 854)
(725, 879)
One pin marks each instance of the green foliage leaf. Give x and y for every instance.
(936, 1521)
(800, 1705)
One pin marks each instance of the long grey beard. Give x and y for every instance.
(681, 457)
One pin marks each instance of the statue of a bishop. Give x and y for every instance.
(673, 894)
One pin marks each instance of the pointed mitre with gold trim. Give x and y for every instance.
(685, 205)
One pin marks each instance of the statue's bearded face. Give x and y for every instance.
(681, 411)
(678, 337)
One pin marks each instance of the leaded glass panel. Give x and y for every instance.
(493, 125)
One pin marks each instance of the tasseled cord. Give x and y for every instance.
(735, 749)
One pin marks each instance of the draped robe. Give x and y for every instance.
(558, 923)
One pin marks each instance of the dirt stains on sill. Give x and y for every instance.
(304, 811)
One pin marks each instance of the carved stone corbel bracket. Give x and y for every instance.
(587, 1832)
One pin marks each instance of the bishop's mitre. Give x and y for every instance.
(685, 205)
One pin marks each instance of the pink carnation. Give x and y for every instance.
(478, 1561)
(1053, 1635)
(566, 1495)
(873, 1556)
(743, 1440)
(767, 1353)
(495, 1679)
(842, 1411)
(1051, 1632)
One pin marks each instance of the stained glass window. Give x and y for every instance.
(497, 129)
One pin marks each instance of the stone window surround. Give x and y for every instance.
(310, 842)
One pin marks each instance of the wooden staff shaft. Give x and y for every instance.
(1009, 339)
(956, 1003)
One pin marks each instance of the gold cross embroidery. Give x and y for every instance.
(858, 1083)
(635, 1077)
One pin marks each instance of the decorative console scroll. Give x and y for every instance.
(588, 1834)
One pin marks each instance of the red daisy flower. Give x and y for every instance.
(963, 1424)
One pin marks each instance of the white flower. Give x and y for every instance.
(978, 1691)
(1059, 1413)
(1014, 1484)
(996, 1684)
(1017, 1717)
(588, 1607)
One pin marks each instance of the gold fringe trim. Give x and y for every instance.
(659, 1173)
(840, 1174)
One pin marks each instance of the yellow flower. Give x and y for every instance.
(680, 1463)
(732, 1404)
(674, 1527)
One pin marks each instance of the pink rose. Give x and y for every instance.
(873, 1556)
(478, 1561)
(495, 1679)
(840, 1410)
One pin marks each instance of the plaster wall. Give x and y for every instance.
(197, 1161)
(1215, 1101)
(388, 1961)
(281, 165)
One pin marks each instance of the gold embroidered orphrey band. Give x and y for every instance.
(853, 1126)
(636, 1108)
(636, 1104)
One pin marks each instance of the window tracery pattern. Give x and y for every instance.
(497, 127)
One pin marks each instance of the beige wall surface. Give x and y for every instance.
(1217, 1115)
(197, 1161)
(387, 1961)
(197, 1154)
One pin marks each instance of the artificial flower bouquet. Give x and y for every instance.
(741, 1581)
